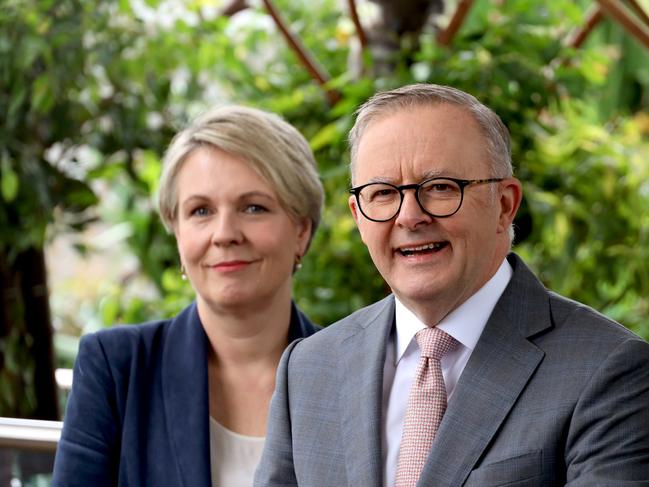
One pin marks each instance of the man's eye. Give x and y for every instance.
(441, 187)
(382, 193)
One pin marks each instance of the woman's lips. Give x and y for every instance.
(231, 265)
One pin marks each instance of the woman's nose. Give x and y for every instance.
(226, 229)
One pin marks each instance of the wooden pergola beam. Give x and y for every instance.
(632, 25)
(317, 72)
(445, 37)
(593, 17)
(233, 7)
(639, 11)
(357, 23)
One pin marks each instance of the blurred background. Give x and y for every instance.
(92, 92)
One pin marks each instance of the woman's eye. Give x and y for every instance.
(255, 209)
(200, 211)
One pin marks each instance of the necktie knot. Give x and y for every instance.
(434, 343)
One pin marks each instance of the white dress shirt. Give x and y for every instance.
(465, 324)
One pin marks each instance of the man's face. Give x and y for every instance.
(410, 146)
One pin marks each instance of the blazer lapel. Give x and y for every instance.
(362, 358)
(496, 374)
(185, 395)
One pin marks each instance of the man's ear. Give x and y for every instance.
(353, 208)
(356, 214)
(511, 195)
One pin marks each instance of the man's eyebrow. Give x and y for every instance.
(433, 173)
(379, 179)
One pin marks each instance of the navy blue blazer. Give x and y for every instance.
(138, 412)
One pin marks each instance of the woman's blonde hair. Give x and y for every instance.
(272, 147)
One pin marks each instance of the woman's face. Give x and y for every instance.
(237, 243)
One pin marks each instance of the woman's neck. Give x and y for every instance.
(245, 349)
(245, 336)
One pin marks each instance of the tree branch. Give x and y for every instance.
(316, 71)
(633, 26)
(446, 36)
(593, 17)
(359, 28)
(639, 11)
(233, 6)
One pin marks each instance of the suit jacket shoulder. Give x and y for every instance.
(138, 412)
(373, 317)
(137, 390)
(324, 421)
(554, 394)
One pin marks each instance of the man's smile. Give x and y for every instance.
(427, 248)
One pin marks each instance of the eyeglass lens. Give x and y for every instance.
(439, 197)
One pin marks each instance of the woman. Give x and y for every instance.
(184, 401)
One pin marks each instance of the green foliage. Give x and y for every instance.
(590, 202)
(40, 112)
(93, 93)
(39, 69)
(584, 220)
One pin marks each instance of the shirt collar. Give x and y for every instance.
(465, 323)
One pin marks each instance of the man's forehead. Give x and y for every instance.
(422, 141)
(441, 110)
(441, 124)
(419, 133)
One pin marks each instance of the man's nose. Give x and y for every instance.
(411, 213)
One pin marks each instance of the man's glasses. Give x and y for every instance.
(438, 197)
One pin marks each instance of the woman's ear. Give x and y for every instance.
(304, 227)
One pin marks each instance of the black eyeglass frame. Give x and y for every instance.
(462, 183)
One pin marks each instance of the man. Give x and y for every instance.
(534, 389)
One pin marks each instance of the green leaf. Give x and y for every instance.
(110, 308)
(324, 137)
(15, 105)
(10, 182)
(42, 94)
(148, 168)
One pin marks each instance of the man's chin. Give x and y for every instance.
(419, 294)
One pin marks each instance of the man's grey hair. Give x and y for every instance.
(417, 95)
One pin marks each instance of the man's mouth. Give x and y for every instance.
(428, 248)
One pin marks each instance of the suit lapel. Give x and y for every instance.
(496, 374)
(185, 396)
(362, 358)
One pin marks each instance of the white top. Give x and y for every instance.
(465, 324)
(233, 457)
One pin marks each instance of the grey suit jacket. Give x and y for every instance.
(553, 394)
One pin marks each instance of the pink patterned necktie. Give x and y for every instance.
(426, 405)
